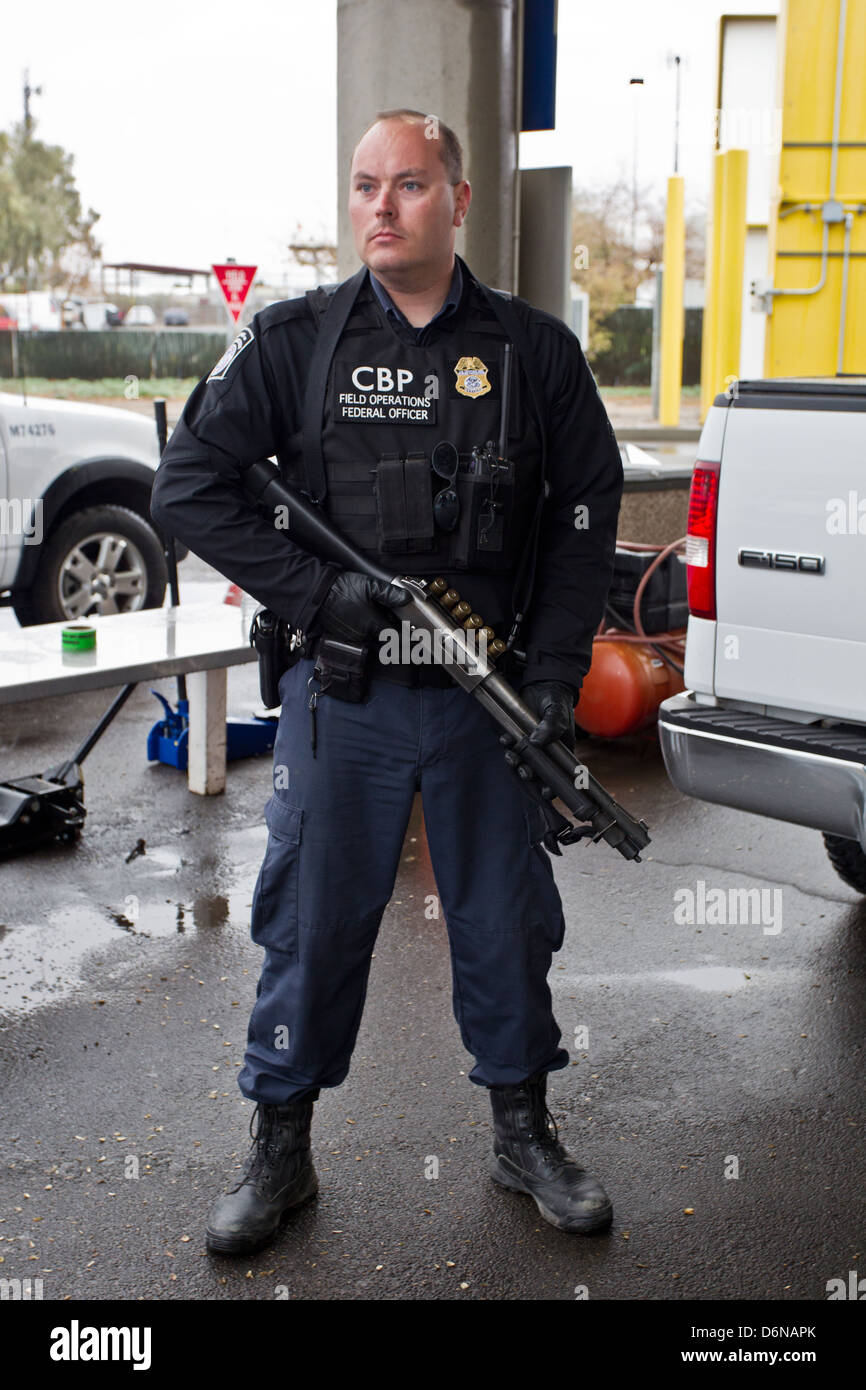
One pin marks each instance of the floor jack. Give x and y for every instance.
(245, 738)
(50, 806)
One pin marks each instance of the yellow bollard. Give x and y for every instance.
(709, 343)
(673, 323)
(732, 259)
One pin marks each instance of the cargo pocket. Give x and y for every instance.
(274, 918)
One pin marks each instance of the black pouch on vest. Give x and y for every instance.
(404, 502)
(342, 669)
(486, 526)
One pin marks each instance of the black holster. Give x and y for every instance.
(269, 634)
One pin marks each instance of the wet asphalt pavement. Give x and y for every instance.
(717, 1089)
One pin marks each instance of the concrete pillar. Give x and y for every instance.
(455, 59)
(544, 276)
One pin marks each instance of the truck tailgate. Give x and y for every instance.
(791, 553)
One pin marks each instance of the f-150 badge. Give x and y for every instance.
(781, 560)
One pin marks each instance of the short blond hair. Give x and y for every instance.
(450, 149)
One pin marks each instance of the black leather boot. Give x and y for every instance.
(528, 1157)
(278, 1175)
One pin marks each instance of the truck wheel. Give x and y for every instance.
(99, 560)
(849, 861)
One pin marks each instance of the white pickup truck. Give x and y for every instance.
(76, 537)
(773, 719)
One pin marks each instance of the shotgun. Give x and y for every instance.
(547, 772)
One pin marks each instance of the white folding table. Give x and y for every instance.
(198, 640)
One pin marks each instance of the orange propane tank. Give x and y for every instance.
(624, 688)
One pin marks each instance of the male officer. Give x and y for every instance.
(382, 401)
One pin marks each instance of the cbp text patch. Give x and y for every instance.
(383, 395)
(233, 351)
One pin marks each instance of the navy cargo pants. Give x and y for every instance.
(337, 823)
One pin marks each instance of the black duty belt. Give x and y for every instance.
(427, 675)
(415, 674)
(398, 674)
(401, 673)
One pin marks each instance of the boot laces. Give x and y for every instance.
(544, 1128)
(266, 1141)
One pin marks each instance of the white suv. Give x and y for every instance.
(76, 537)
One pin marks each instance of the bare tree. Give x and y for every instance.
(45, 236)
(606, 263)
(307, 250)
(695, 227)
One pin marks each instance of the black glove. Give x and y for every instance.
(351, 609)
(553, 703)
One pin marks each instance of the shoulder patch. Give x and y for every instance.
(233, 351)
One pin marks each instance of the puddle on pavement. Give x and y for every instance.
(158, 862)
(711, 978)
(43, 963)
(202, 914)
(39, 963)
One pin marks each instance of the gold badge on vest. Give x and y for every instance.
(472, 377)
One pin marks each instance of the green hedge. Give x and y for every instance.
(627, 361)
(119, 352)
(126, 352)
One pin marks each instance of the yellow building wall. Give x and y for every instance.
(803, 330)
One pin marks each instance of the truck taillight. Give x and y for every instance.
(701, 540)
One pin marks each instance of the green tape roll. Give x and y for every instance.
(78, 638)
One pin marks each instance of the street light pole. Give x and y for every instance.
(28, 93)
(634, 82)
(676, 60)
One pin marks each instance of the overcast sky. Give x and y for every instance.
(203, 129)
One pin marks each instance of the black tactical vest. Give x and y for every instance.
(376, 409)
(388, 404)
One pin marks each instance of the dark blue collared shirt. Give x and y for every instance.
(396, 315)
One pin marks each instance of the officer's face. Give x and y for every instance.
(404, 211)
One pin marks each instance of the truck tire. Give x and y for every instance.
(849, 861)
(104, 559)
